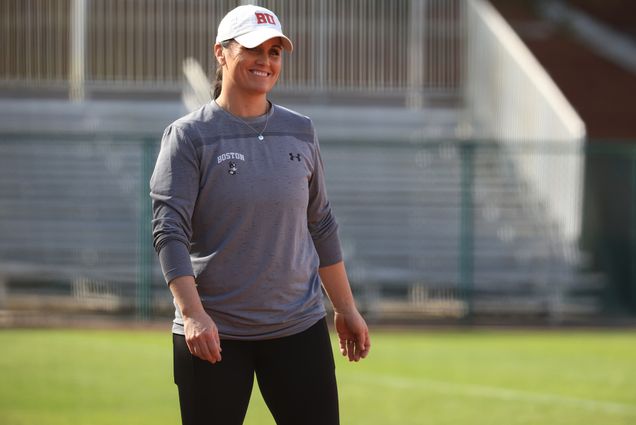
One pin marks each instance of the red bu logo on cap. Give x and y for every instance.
(264, 18)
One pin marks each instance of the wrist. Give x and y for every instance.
(345, 309)
(191, 312)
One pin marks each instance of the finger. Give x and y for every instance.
(343, 347)
(198, 350)
(210, 339)
(215, 351)
(217, 342)
(204, 353)
(191, 347)
(217, 339)
(351, 349)
(363, 345)
(357, 354)
(365, 349)
(358, 343)
(200, 347)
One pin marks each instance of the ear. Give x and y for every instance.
(218, 53)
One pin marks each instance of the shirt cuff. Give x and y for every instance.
(329, 250)
(174, 258)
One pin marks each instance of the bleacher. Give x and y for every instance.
(70, 218)
(70, 221)
(400, 211)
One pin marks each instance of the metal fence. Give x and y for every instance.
(73, 215)
(35, 42)
(428, 229)
(399, 47)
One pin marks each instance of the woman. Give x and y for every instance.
(245, 236)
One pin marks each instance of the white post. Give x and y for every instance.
(77, 76)
(322, 48)
(415, 77)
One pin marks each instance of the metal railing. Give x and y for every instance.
(428, 229)
(35, 42)
(400, 47)
(511, 98)
(74, 215)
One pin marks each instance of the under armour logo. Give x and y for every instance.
(292, 156)
(232, 171)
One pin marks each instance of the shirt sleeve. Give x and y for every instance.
(321, 220)
(174, 187)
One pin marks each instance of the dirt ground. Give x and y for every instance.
(602, 92)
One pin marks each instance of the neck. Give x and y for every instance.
(243, 107)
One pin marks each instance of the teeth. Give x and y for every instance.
(260, 73)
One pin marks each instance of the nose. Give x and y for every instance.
(262, 58)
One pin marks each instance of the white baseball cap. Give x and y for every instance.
(250, 26)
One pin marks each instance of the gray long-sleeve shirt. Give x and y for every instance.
(249, 219)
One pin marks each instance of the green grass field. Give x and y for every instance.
(95, 377)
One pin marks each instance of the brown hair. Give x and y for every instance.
(218, 81)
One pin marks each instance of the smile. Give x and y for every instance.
(260, 73)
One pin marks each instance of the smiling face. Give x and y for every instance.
(250, 71)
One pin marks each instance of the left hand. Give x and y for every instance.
(353, 334)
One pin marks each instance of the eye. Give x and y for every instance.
(252, 51)
(275, 52)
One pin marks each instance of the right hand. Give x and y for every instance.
(202, 337)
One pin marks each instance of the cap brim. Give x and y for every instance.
(256, 38)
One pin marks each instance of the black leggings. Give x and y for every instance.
(296, 376)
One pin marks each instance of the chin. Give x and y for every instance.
(262, 89)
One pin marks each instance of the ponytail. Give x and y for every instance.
(216, 88)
